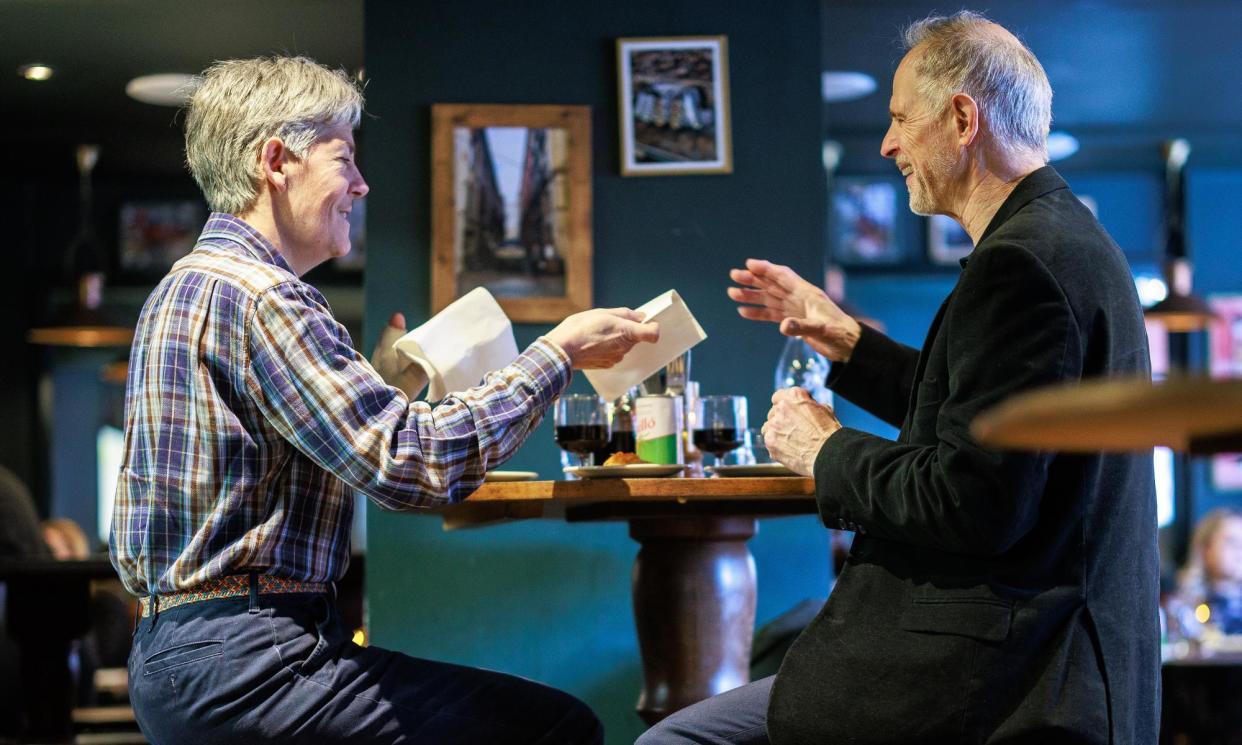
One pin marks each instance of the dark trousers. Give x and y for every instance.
(736, 717)
(281, 669)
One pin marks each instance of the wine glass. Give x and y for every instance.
(719, 424)
(581, 421)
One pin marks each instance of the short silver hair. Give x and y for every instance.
(960, 54)
(237, 105)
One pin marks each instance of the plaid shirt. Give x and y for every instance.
(250, 421)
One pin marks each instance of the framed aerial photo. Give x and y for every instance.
(674, 105)
(947, 241)
(154, 233)
(865, 223)
(1225, 338)
(511, 207)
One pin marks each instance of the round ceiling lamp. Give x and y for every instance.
(838, 85)
(1061, 145)
(36, 71)
(164, 89)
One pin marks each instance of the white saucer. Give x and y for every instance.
(759, 469)
(633, 471)
(494, 476)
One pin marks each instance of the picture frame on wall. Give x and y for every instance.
(511, 207)
(865, 223)
(1225, 340)
(153, 233)
(674, 105)
(947, 241)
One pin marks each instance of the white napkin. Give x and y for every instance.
(458, 346)
(678, 332)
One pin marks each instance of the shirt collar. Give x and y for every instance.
(223, 226)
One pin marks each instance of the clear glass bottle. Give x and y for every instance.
(802, 366)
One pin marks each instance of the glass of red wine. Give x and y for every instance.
(719, 424)
(581, 421)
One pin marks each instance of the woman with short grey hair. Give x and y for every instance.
(238, 104)
(251, 422)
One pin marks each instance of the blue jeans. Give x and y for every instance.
(280, 669)
(736, 717)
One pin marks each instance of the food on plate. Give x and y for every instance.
(623, 459)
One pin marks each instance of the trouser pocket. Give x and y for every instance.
(182, 654)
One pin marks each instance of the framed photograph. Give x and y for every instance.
(154, 233)
(1225, 335)
(674, 104)
(947, 241)
(865, 223)
(511, 207)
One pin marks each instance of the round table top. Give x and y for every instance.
(1195, 415)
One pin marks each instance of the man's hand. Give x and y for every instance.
(797, 428)
(599, 338)
(776, 293)
(412, 380)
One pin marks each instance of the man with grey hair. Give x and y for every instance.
(989, 597)
(250, 424)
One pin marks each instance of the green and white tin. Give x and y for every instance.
(657, 429)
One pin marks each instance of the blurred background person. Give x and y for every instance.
(1210, 585)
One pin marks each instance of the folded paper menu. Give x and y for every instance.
(458, 346)
(678, 333)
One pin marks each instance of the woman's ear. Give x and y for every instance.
(273, 159)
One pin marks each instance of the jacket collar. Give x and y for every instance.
(1036, 184)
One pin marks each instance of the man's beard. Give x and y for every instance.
(923, 200)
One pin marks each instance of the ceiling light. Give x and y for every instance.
(35, 71)
(1061, 145)
(838, 86)
(165, 89)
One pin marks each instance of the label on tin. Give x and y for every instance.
(657, 429)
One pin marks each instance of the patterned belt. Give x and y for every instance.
(232, 586)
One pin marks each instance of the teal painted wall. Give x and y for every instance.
(548, 600)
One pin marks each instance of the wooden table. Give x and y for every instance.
(47, 607)
(694, 578)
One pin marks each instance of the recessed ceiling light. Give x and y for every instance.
(165, 89)
(840, 86)
(1061, 145)
(35, 71)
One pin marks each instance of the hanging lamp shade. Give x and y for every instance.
(1181, 311)
(86, 324)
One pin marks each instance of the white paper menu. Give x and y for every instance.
(679, 331)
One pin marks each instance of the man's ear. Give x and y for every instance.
(273, 159)
(965, 118)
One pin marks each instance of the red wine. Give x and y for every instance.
(582, 438)
(622, 442)
(717, 441)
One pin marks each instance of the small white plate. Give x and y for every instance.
(633, 471)
(510, 476)
(759, 469)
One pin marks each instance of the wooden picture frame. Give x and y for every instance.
(674, 105)
(518, 224)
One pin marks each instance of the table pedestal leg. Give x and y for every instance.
(694, 606)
